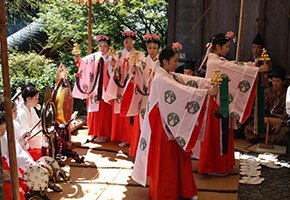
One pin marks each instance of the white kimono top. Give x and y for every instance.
(23, 157)
(179, 105)
(121, 69)
(27, 118)
(87, 72)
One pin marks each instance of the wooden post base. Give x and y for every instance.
(266, 146)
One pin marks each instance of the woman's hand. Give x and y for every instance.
(112, 63)
(264, 68)
(212, 91)
(77, 59)
(26, 135)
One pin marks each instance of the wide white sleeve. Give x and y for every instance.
(23, 119)
(288, 101)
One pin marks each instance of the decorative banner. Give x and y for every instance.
(94, 1)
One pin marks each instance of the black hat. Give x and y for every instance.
(189, 64)
(258, 40)
(279, 72)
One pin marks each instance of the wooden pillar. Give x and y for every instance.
(260, 21)
(171, 30)
(8, 105)
(90, 28)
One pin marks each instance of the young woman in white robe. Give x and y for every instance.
(169, 131)
(28, 118)
(123, 127)
(217, 148)
(98, 112)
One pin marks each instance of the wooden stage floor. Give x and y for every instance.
(106, 175)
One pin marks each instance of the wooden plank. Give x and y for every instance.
(217, 196)
(241, 144)
(124, 192)
(234, 171)
(77, 191)
(214, 183)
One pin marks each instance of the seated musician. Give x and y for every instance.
(274, 107)
(257, 47)
(21, 159)
(28, 118)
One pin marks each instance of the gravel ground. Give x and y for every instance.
(275, 186)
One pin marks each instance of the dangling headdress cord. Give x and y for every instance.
(208, 46)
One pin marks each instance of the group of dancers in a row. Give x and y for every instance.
(166, 117)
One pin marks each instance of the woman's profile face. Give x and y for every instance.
(33, 101)
(224, 50)
(171, 65)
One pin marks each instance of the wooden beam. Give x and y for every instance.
(8, 105)
(90, 28)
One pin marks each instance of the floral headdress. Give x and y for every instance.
(148, 37)
(176, 46)
(101, 37)
(229, 35)
(129, 34)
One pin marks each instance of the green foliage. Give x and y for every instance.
(33, 68)
(66, 20)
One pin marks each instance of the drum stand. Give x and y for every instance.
(62, 146)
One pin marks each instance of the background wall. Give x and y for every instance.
(263, 16)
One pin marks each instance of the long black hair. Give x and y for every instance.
(29, 91)
(166, 54)
(220, 39)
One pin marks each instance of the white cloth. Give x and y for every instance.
(242, 78)
(87, 72)
(23, 157)
(27, 118)
(122, 68)
(288, 101)
(179, 106)
(18, 133)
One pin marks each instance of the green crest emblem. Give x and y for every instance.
(230, 98)
(176, 78)
(192, 83)
(143, 144)
(235, 115)
(245, 86)
(193, 107)
(143, 64)
(240, 63)
(148, 103)
(172, 119)
(145, 89)
(143, 112)
(180, 141)
(85, 87)
(91, 77)
(139, 104)
(169, 96)
(119, 98)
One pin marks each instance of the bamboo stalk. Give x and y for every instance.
(240, 31)
(90, 28)
(8, 105)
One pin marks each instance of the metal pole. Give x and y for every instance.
(8, 105)
(90, 28)
(240, 31)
